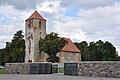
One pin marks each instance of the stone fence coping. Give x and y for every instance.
(94, 62)
(99, 62)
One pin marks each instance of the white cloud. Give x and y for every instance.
(21, 4)
(96, 19)
(28, 5)
(3, 40)
(50, 7)
(86, 4)
(11, 21)
(102, 21)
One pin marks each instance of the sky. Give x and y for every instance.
(79, 20)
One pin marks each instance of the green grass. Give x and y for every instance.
(60, 70)
(2, 71)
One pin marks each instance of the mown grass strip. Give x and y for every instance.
(2, 71)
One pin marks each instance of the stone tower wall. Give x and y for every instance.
(32, 37)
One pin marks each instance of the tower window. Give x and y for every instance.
(39, 24)
(29, 24)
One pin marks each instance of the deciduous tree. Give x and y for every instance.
(51, 45)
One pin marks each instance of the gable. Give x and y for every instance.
(70, 47)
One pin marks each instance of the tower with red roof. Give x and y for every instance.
(35, 28)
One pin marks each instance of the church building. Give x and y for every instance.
(35, 29)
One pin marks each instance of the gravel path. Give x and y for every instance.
(50, 77)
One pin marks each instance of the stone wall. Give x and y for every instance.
(17, 68)
(100, 69)
(29, 68)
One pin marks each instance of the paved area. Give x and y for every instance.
(50, 77)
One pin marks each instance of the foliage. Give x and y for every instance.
(83, 46)
(119, 58)
(18, 47)
(8, 58)
(14, 50)
(51, 45)
(97, 51)
(2, 61)
(60, 70)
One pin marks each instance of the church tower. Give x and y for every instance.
(35, 28)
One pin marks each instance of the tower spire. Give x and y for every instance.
(36, 15)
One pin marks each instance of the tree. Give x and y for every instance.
(98, 51)
(83, 47)
(14, 50)
(8, 58)
(109, 52)
(92, 51)
(18, 47)
(51, 45)
(102, 51)
(2, 62)
(99, 48)
(118, 58)
(95, 49)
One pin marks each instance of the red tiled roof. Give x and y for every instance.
(70, 47)
(36, 15)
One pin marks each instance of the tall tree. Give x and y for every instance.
(18, 47)
(83, 47)
(92, 51)
(102, 51)
(2, 57)
(51, 45)
(14, 50)
(7, 53)
(99, 47)
(109, 52)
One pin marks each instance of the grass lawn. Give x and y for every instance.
(2, 71)
(60, 70)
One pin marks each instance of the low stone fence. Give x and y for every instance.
(17, 68)
(100, 69)
(92, 68)
(29, 68)
(96, 69)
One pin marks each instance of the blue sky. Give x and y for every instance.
(79, 20)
